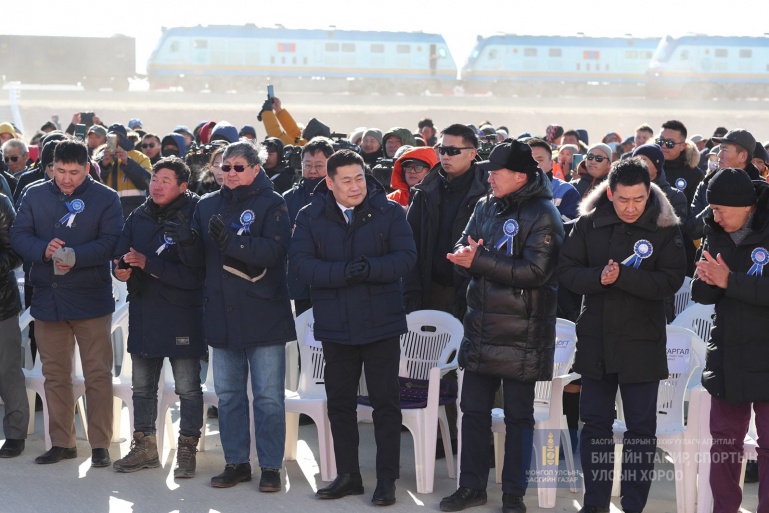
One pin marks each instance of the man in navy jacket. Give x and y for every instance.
(67, 228)
(352, 246)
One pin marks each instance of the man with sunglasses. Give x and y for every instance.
(150, 146)
(681, 159)
(597, 164)
(15, 154)
(240, 234)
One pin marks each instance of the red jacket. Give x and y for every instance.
(401, 193)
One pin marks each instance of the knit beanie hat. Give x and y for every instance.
(653, 153)
(731, 187)
(375, 133)
(603, 148)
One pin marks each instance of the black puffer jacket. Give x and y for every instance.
(10, 304)
(511, 299)
(737, 364)
(621, 328)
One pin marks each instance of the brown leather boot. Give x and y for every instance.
(186, 450)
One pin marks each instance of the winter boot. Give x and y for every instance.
(143, 454)
(185, 456)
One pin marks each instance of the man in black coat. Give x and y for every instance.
(165, 301)
(730, 276)
(625, 255)
(12, 389)
(509, 249)
(352, 246)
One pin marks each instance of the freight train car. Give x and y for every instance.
(700, 66)
(525, 65)
(248, 57)
(93, 62)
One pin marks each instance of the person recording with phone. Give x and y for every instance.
(279, 123)
(125, 169)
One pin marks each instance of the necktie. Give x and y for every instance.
(348, 214)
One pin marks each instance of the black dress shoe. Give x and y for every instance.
(343, 485)
(593, 509)
(11, 448)
(463, 498)
(55, 454)
(232, 475)
(384, 495)
(100, 458)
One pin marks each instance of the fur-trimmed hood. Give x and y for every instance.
(692, 155)
(665, 218)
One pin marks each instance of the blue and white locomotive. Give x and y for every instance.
(249, 57)
(702, 66)
(519, 64)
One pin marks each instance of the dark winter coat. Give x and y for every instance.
(240, 313)
(424, 216)
(322, 245)
(737, 362)
(511, 299)
(10, 304)
(85, 292)
(684, 173)
(282, 177)
(166, 297)
(298, 197)
(621, 328)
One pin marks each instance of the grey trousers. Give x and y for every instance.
(12, 388)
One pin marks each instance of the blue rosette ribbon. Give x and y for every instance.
(167, 242)
(246, 219)
(760, 257)
(681, 184)
(510, 229)
(74, 207)
(641, 250)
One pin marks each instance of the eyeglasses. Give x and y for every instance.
(453, 151)
(147, 145)
(238, 168)
(310, 167)
(12, 159)
(597, 158)
(415, 168)
(670, 143)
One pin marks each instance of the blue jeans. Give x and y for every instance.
(268, 369)
(146, 373)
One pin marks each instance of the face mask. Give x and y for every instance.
(712, 165)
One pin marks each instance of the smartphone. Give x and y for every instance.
(270, 92)
(112, 141)
(80, 131)
(87, 118)
(122, 264)
(575, 160)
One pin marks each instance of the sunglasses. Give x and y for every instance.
(238, 168)
(666, 142)
(147, 145)
(597, 158)
(453, 151)
(12, 159)
(416, 168)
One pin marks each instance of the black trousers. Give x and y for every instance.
(344, 364)
(478, 392)
(639, 401)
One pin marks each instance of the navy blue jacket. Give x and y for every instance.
(322, 245)
(240, 313)
(165, 309)
(85, 292)
(298, 197)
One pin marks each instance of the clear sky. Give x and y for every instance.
(459, 21)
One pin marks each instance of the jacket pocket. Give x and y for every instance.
(326, 305)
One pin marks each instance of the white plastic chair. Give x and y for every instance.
(672, 432)
(683, 298)
(122, 383)
(120, 294)
(34, 381)
(428, 351)
(548, 414)
(310, 398)
(166, 398)
(698, 318)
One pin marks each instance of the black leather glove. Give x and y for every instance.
(412, 301)
(179, 230)
(218, 232)
(267, 105)
(357, 270)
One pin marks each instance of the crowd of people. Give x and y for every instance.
(223, 239)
